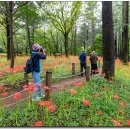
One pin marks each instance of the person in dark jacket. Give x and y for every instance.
(37, 56)
(83, 63)
(93, 60)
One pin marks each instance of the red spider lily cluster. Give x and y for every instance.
(104, 74)
(115, 96)
(97, 95)
(86, 102)
(5, 94)
(51, 108)
(121, 112)
(123, 104)
(45, 103)
(127, 122)
(17, 96)
(16, 69)
(38, 123)
(79, 84)
(99, 113)
(29, 87)
(2, 88)
(116, 123)
(73, 92)
(105, 89)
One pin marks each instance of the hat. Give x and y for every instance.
(36, 47)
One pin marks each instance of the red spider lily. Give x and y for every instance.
(2, 88)
(97, 71)
(25, 86)
(104, 74)
(38, 123)
(73, 92)
(45, 103)
(117, 123)
(97, 95)
(86, 103)
(40, 85)
(5, 94)
(127, 122)
(115, 96)
(51, 108)
(121, 112)
(105, 89)
(17, 96)
(78, 84)
(122, 104)
(30, 87)
(46, 88)
(99, 113)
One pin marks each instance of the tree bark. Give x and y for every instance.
(11, 33)
(75, 46)
(66, 44)
(115, 45)
(29, 38)
(87, 40)
(8, 32)
(125, 40)
(108, 40)
(93, 36)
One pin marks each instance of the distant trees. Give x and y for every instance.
(125, 28)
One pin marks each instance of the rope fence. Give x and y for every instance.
(40, 91)
(49, 82)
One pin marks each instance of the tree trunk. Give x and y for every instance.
(93, 36)
(75, 34)
(87, 40)
(8, 32)
(66, 44)
(125, 40)
(108, 40)
(115, 45)
(72, 41)
(28, 34)
(11, 33)
(29, 40)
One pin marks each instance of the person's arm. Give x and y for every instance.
(41, 56)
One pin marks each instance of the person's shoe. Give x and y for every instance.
(42, 96)
(36, 99)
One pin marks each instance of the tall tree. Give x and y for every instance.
(108, 40)
(63, 18)
(125, 40)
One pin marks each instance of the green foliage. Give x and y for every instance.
(69, 108)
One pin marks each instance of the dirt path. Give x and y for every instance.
(56, 87)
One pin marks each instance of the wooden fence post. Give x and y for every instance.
(73, 68)
(99, 63)
(26, 78)
(48, 84)
(87, 73)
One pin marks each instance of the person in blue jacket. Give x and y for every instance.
(38, 54)
(83, 63)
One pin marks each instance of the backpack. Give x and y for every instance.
(29, 66)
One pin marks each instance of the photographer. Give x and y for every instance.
(38, 54)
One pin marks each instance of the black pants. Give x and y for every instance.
(93, 68)
(83, 66)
